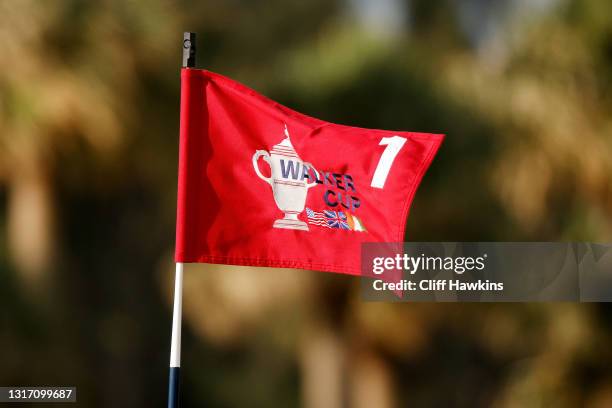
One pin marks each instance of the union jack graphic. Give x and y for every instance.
(336, 219)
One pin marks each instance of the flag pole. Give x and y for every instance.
(189, 59)
(175, 345)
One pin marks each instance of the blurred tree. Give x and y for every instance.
(62, 64)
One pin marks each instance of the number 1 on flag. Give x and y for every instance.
(394, 145)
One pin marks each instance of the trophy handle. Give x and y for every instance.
(266, 157)
(314, 183)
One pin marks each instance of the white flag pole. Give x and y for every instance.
(175, 345)
(189, 55)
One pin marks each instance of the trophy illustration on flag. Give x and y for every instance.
(288, 179)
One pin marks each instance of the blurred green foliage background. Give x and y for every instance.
(89, 102)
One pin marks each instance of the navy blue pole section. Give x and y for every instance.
(173, 387)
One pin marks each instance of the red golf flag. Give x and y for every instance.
(263, 185)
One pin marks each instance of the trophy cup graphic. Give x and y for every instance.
(287, 180)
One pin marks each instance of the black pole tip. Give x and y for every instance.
(189, 50)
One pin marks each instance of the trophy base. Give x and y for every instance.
(290, 224)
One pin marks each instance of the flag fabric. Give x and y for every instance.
(263, 185)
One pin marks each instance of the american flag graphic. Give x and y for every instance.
(316, 218)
